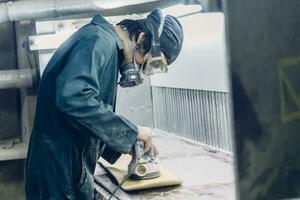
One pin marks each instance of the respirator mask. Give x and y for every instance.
(130, 75)
(154, 59)
(129, 70)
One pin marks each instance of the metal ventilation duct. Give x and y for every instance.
(37, 9)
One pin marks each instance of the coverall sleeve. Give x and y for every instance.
(77, 96)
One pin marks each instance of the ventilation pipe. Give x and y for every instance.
(38, 9)
(19, 78)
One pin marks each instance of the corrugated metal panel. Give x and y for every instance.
(200, 115)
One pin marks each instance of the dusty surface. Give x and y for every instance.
(207, 174)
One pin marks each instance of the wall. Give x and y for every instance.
(264, 44)
(202, 63)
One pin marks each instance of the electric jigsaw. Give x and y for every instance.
(144, 165)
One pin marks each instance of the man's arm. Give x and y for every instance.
(77, 96)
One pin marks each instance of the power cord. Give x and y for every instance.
(119, 186)
(125, 179)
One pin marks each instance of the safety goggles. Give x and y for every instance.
(153, 65)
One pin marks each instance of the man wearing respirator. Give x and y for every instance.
(75, 120)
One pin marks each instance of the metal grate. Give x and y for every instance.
(200, 115)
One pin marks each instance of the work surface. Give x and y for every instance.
(207, 174)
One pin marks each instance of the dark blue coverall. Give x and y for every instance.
(75, 115)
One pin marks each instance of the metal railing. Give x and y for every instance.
(200, 115)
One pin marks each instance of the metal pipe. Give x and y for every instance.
(20, 78)
(37, 9)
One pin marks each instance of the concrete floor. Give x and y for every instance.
(207, 173)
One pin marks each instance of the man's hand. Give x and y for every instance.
(145, 135)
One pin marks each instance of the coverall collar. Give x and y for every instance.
(99, 20)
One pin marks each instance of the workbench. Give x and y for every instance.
(207, 173)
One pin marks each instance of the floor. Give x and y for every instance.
(207, 173)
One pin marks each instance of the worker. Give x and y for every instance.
(75, 113)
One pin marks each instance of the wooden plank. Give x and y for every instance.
(119, 172)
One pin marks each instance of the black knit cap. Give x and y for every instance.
(171, 38)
